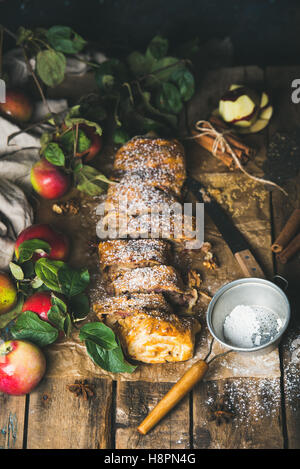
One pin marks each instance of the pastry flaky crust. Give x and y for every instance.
(159, 278)
(159, 162)
(143, 288)
(132, 303)
(135, 197)
(133, 253)
(152, 225)
(156, 337)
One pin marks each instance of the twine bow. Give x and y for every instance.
(221, 144)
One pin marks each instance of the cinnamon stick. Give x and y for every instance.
(242, 151)
(291, 249)
(207, 142)
(288, 232)
(232, 138)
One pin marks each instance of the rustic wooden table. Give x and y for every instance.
(266, 411)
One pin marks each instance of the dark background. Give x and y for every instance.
(263, 32)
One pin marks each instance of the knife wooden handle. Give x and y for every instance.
(249, 264)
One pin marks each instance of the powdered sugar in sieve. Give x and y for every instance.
(251, 326)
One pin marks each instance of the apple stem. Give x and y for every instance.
(36, 82)
(9, 32)
(75, 140)
(5, 349)
(29, 67)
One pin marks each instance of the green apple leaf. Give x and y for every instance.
(109, 360)
(61, 278)
(90, 181)
(51, 66)
(110, 75)
(64, 39)
(73, 281)
(185, 82)
(29, 247)
(68, 141)
(169, 99)
(167, 118)
(120, 136)
(36, 283)
(57, 317)
(71, 121)
(54, 154)
(23, 35)
(47, 271)
(139, 63)
(158, 47)
(30, 327)
(79, 306)
(100, 334)
(162, 69)
(56, 301)
(104, 348)
(68, 325)
(16, 271)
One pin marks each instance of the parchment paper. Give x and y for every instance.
(248, 204)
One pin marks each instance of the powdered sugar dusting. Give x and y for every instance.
(133, 251)
(140, 301)
(158, 162)
(250, 400)
(292, 370)
(149, 152)
(250, 326)
(154, 278)
(133, 195)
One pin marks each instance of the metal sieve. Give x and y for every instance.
(248, 292)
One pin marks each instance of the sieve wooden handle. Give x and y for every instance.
(176, 393)
(249, 264)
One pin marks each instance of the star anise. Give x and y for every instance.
(220, 413)
(81, 388)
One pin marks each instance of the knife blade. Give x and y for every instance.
(230, 233)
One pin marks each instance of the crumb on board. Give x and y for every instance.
(210, 261)
(70, 207)
(228, 194)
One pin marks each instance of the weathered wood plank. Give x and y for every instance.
(254, 425)
(12, 416)
(256, 414)
(54, 414)
(58, 419)
(134, 402)
(287, 118)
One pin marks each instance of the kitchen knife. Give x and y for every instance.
(231, 235)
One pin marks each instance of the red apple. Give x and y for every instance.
(22, 366)
(8, 293)
(48, 180)
(39, 303)
(58, 242)
(96, 143)
(17, 106)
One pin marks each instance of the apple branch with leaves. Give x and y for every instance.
(69, 305)
(141, 93)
